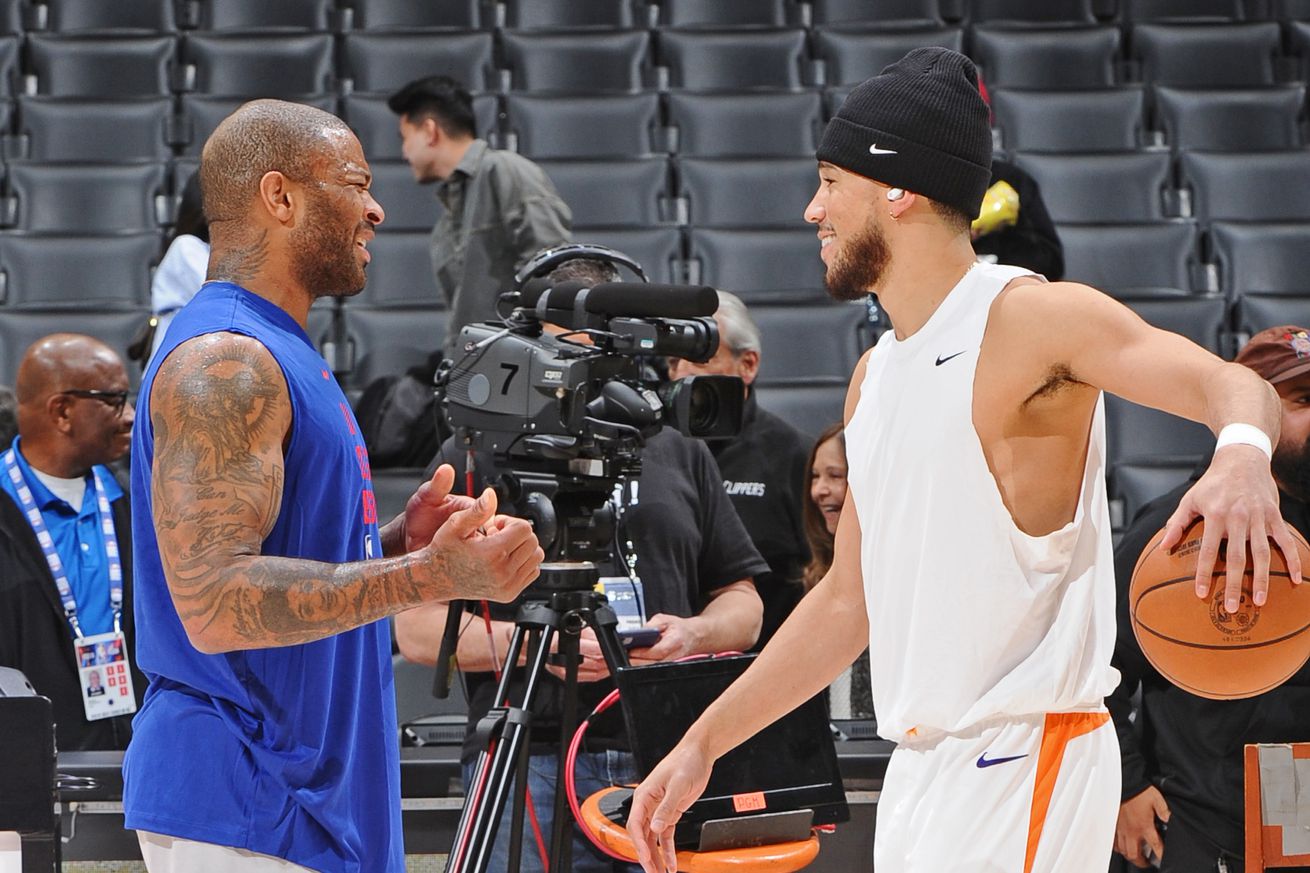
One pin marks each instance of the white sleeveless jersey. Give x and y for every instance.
(970, 618)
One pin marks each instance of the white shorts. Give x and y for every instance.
(1037, 796)
(164, 854)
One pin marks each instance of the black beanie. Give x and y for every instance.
(920, 125)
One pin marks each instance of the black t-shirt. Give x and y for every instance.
(689, 543)
(1191, 747)
(765, 477)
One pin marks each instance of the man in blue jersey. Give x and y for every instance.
(267, 739)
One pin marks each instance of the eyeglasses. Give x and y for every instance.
(115, 399)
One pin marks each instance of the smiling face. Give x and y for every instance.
(853, 246)
(828, 481)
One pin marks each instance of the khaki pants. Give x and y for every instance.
(164, 854)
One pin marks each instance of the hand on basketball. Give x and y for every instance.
(1238, 499)
(660, 800)
(1136, 826)
(484, 556)
(431, 506)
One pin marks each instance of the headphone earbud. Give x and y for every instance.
(895, 193)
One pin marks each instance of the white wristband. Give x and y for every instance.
(1244, 434)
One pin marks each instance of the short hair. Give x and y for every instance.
(260, 137)
(740, 333)
(441, 98)
(190, 218)
(954, 217)
(589, 271)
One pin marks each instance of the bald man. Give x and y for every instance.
(267, 739)
(73, 419)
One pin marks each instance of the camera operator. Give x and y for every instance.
(765, 466)
(695, 563)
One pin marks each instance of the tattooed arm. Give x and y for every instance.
(221, 415)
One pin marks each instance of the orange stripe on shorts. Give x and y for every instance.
(1059, 729)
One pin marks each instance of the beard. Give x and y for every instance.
(322, 260)
(854, 274)
(1291, 468)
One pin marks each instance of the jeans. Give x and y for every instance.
(594, 771)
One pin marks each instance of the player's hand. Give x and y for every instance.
(661, 799)
(679, 637)
(1136, 826)
(483, 556)
(1238, 499)
(431, 506)
(592, 666)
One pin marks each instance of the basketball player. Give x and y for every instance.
(973, 554)
(267, 738)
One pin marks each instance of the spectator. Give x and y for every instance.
(73, 419)
(763, 466)
(695, 563)
(1182, 757)
(1014, 226)
(8, 415)
(186, 261)
(500, 208)
(850, 695)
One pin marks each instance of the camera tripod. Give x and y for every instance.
(571, 606)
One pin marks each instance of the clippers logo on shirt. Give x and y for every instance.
(369, 501)
(743, 489)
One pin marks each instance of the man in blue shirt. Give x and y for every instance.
(263, 576)
(74, 417)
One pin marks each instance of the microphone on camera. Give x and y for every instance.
(630, 299)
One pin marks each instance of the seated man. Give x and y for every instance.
(765, 466)
(73, 419)
(695, 564)
(1182, 757)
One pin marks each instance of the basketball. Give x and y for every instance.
(1199, 646)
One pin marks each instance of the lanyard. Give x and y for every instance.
(35, 519)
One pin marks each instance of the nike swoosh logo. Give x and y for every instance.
(984, 761)
(874, 150)
(941, 360)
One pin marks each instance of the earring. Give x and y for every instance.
(895, 193)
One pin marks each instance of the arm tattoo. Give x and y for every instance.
(220, 412)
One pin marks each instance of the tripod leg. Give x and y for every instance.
(561, 840)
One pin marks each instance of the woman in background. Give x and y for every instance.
(849, 696)
(182, 271)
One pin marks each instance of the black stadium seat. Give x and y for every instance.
(809, 340)
(724, 13)
(1061, 58)
(563, 14)
(733, 59)
(1201, 319)
(809, 405)
(780, 188)
(84, 129)
(385, 62)
(1256, 312)
(777, 124)
(1140, 433)
(45, 270)
(12, 13)
(1025, 12)
(1207, 55)
(407, 204)
(101, 66)
(1105, 120)
(85, 198)
(1256, 186)
(657, 249)
(1232, 120)
(87, 16)
(631, 193)
(18, 330)
(759, 264)
(263, 15)
(260, 65)
(593, 126)
(1262, 258)
(408, 15)
(1101, 188)
(376, 125)
(1131, 260)
(1136, 483)
(400, 271)
(882, 12)
(852, 54)
(390, 341)
(9, 64)
(201, 114)
(1172, 10)
(577, 60)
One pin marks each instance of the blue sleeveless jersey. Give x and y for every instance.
(288, 751)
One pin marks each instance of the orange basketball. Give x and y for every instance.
(1199, 646)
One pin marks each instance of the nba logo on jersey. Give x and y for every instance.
(368, 545)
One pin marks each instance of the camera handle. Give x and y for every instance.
(504, 731)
